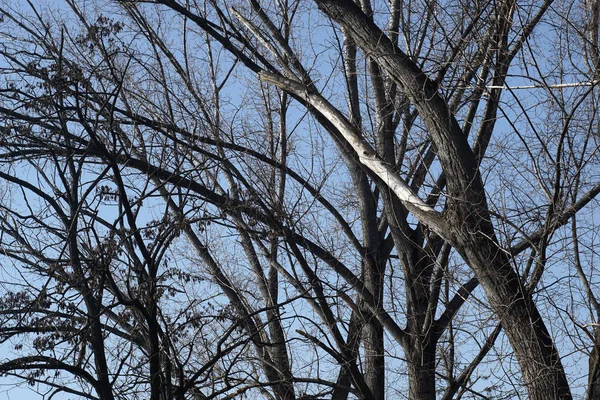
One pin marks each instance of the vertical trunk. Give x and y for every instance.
(374, 369)
(345, 378)
(418, 265)
(156, 385)
(373, 331)
(594, 368)
(374, 358)
(421, 372)
(420, 351)
(97, 341)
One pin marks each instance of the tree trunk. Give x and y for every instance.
(421, 373)
(374, 359)
(469, 226)
(594, 368)
(539, 360)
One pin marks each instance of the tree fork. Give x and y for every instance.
(472, 233)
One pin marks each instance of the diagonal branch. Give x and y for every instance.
(366, 153)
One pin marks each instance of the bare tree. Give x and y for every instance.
(299, 199)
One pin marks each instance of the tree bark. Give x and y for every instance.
(421, 372)
(594, 368)
(471, 230)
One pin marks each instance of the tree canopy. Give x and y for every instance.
(300, 199)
